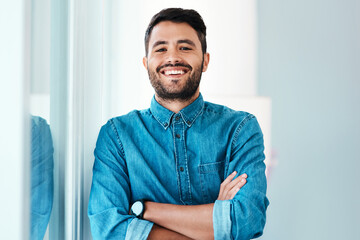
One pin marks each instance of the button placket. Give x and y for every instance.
(181, 160)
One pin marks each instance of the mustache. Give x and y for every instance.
(173, 65)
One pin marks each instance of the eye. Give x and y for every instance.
(185, 48)
(160, 50)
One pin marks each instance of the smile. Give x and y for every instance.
(173, 72)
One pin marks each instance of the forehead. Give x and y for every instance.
(170, 31)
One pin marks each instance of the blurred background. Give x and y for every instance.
(309, 64)
(68, 66)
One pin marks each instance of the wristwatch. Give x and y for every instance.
(138, 208)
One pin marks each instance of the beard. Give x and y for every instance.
(174, 93)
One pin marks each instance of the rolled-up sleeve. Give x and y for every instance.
(222, 220)
(110, 192)
(244, 216)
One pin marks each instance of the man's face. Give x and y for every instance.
(175, 61)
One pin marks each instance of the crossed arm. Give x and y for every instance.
(235, 214)
(189, 222)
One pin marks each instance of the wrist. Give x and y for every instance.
(138, 208)
(147, 210)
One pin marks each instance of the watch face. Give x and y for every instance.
(137, 208)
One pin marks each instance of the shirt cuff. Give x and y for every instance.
(222, 219)
(138, 229)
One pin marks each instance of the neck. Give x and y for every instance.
(175, 105)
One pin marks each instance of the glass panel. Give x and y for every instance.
(48, 94)
(42, 162)
(14, 129)
(58, 110)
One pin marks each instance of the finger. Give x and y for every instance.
(236, 189)
(226, 182)
(235, 181)
(229, 178)
(228, 191)
(233, 193)
(235, 184)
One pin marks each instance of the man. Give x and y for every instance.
(184, 168)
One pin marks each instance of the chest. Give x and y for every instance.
(177, 166)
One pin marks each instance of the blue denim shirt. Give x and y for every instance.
(42, 176)
(181, 158)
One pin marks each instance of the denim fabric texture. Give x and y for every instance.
(182, 158)
(42, 176)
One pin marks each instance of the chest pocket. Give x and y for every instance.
(211, 176)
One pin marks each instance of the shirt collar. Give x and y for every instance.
(189, 113)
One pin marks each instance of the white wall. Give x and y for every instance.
(309, 64)
(231, 27)
(14, 141)
(40, 47)
(40, 59)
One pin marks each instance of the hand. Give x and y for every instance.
(230, 186)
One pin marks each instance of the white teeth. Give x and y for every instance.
(174, 72)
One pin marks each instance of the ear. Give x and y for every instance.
(206, 61)
(145, 63)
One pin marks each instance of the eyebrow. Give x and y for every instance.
(157, 43)
(186, 41)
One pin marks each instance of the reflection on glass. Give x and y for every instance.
(42, 179)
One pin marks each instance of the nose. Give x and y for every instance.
(173, 56)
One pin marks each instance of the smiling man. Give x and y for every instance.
(175, 62)
(184, 168)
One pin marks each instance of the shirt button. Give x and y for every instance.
(178, 135)
(188, 122)
(165, 124)
(181, 169)
(177, 118)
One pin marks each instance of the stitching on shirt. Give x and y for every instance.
(158, 120)
(202, 166)
(202, 185)
(145, 112)
(176, 164)
(198, 113)
(224, 109)
(191, 119)
(111, 121)
(186, 163)
(242, 123)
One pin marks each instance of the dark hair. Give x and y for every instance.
(178, 15)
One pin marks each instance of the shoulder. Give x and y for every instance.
(241, 123)
(115, 129)
(41, 138)
(127, 121)
(226, 113)
(38, 122)
(134, 115)
(39, 127)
